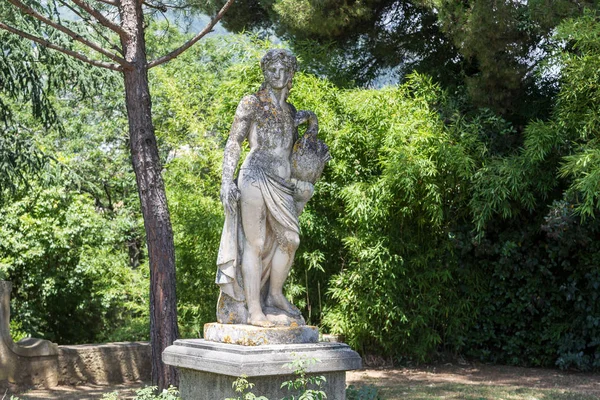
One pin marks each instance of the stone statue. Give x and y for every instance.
(261, 230)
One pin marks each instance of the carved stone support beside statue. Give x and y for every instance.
(29, 362)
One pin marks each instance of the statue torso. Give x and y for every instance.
(271, 137)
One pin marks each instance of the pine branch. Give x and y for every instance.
(159, 7)
(110, 2)
(29, 11)
(50, 45)
(100, 17)
(92, 24)
(208, 28)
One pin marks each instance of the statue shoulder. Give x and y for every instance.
(247, 105)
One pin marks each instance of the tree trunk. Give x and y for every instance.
(146, 164)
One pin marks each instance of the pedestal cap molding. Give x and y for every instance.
(237, 360)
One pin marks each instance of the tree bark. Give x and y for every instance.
(151, 189)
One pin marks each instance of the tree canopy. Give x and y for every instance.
(493, 50)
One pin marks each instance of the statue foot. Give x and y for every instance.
(279, 301)
(260, 320)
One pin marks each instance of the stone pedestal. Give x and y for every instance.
(208, 369)
(248, 335)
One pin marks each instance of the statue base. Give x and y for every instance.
(248, 335)
(208, 369)
(231, 311)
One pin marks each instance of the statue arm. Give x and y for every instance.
(238, 133)
(303, 116)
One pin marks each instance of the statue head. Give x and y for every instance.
(278, 67)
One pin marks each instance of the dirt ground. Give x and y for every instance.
(482, 374)
(470, 374)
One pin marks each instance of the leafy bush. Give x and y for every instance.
(537, 215)
(69, 267)
(304, 386)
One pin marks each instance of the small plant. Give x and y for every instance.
(369, 392)
(243, 387)
(301, 385)
(148, 393)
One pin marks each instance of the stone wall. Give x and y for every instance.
(104, 364)
(37, 362)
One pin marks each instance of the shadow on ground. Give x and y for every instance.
(481, 374)
(83, 392)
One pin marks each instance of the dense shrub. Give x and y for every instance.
(537, 214)
(69, 266)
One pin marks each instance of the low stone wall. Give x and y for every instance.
(37, 362)
(104, 364)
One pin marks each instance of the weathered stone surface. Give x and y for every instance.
(249, 335)
(205, 385)
(102, 364)
(261, 230)
(208, 368)
(37, 362)
(30, 362)
(235, 360)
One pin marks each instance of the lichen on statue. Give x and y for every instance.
(261, 231)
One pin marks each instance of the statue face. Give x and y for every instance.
(277, 75)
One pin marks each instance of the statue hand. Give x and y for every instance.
(230, 194)
(303, 191)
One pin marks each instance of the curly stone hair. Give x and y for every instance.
(282, 55)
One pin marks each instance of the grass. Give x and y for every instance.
(447, 391)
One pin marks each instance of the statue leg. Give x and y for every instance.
(280, 269)
(253, 213)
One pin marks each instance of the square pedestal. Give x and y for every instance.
(208, 369)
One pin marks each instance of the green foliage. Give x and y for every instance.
(494, 53)
(16, 331)
(433, 226)
(244, 388)
(576, 111)
(19, 159)
(71, 234)
(402, 179)
(197, 218)
(71, 275)
(536, 214)
(31, 77)
(304, 386)
(352, 43)
(545, 278)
